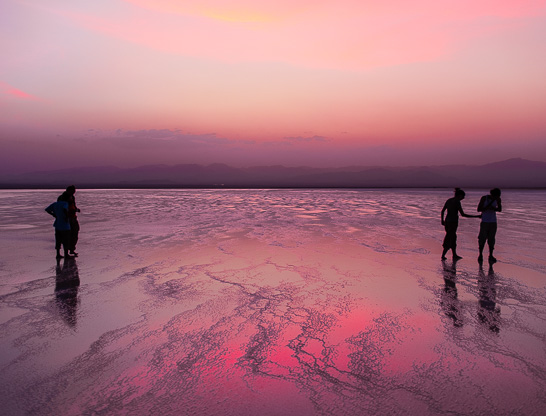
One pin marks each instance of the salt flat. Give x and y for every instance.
(272, 302)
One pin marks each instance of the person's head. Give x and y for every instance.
(459, 193)
(71, 190)
(495, 192)
(64, 197)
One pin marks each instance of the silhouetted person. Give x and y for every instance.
(451, 222)
(488, 312)
(73, 218)
(489, 206)
(67, 283)
(449, 298)
(59, 210)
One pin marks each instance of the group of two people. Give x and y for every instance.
(66, 222)
(488, 206)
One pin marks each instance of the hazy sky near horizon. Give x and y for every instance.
(293, 82)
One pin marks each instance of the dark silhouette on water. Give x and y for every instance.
(488, 311)
(67, 282)
(449, 296)
(59, 210)
(72, 218)
(451, 222)
(489, 205)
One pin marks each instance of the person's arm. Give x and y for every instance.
(489, 206)
(66, 210)
(480, 205)
(467, 215)
(499, 205)
(50, 211)
(75, 206)
(443, 211)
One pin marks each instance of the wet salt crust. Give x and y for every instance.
(271, 302)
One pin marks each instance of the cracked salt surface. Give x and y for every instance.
(276, 302)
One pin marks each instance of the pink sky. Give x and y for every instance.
(279, 82)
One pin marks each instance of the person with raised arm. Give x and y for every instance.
(489, 206)
(451, 222)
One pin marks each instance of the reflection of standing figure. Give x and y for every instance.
(489, 206)
(67, 283)
(488, 312)
(451, 222)
(73, 218)
(449, 297)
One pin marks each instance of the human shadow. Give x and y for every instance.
(67, 282)
(488, 311)
(449, 296)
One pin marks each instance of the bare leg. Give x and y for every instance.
(491, 243)
(491, 258)
(481, 246)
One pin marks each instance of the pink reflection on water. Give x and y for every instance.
(233, 304)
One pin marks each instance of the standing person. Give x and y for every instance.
(451, 222)
(59, 210)
(489, 206)
(73, 218)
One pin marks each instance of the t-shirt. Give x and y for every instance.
(489, 215)
(453, 205)
(59, 210)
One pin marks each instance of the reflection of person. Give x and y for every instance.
(73, 218)
(488, 311)
(489, 206)
(451, 222)
(66, 289)
(59, 210)
(449, 297)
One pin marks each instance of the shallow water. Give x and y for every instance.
(236, 302)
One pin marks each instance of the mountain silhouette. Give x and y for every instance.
(511, 173)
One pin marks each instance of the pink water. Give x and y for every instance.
(271, 302)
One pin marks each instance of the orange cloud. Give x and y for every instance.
(242, 11)
(346, 34)
(279, 9)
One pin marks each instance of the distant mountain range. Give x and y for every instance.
(512, 173)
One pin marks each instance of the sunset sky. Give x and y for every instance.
(292, 82)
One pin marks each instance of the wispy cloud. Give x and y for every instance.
(293, 141)
(157, 139)
(345, 34)
(307, 139)
(7, 90)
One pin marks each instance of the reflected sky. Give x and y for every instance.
(236, 302)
